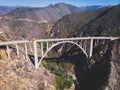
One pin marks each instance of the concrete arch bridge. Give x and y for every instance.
(85, 44)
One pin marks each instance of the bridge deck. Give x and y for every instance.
(56, 39)
(31, 46)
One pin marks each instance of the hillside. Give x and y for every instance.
(105, 24)
(101, 22)
(33, 22)
(7, 9)
(71, 23)
(28, 22)
(50, 13)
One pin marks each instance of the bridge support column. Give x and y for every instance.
(8, 51)
(30, 47)
(35, 54)
(81, 43)
(47, 45)
(85, 45)
(103, 42)
(26, 52)
(18, 54)
(91, 48)
(42, 51)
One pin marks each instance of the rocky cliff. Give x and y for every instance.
(104, 73)
(21, 75)
(114, 77)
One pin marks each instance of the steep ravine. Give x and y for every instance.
(114, 77)
(104, 74)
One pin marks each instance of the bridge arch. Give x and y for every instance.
(58, 43)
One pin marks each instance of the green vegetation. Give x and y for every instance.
(97, 51)
(23, 35)
(71, 23)
(57, 9)
(101, 22)
(51, 54)
(0, 57)
(106, 24)
(53, 67)
(43, 45)
(49, 65)
(63, 80)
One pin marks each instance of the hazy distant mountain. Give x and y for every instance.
(94, 7)
(6, 9)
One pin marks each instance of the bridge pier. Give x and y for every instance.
(17, 50)
(85, 45)
(47, 45)
(91, 48)
(42, 51)
(26, 52)
(30, 47)
(35, 54)
(8, 51)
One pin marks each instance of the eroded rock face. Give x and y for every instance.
(21, 75)
(104, 74)
(114, 78)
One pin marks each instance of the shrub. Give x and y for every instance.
(64, 82)
(96, 51)
(0, 57)
(24, 35)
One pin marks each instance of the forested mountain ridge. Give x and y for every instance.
(101, 22)
(106, 24)
(71, 23)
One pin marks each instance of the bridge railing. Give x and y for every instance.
(76, 38)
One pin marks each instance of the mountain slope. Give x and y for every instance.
(101, 22)
(71, 23)
(33, 22)
(7, 9)
(50, 13)
(106, 24)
